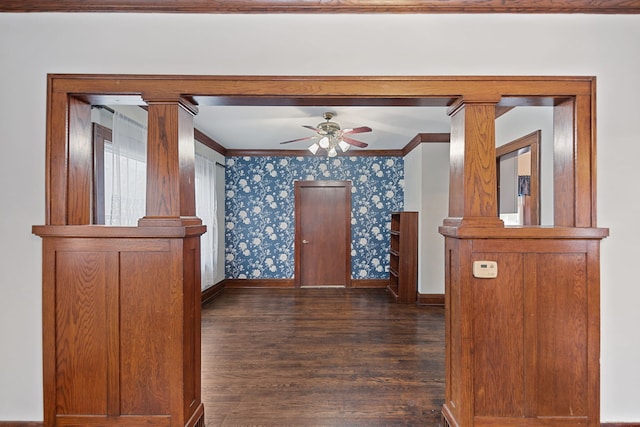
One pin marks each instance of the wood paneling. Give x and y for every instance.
(119, 358)
(498, 357)
(145, 331)
(81, 333)
(562, 312)
(474, 229)
(317, 6)
(524, 346)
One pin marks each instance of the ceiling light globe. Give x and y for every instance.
(333, 152)
(324, 142)
(313, 148)
(344, 146)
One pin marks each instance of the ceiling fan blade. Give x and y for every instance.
(299, 139)
(360, 129)
(354, 142)
(311, 127)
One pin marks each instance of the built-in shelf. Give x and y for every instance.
(403, 257)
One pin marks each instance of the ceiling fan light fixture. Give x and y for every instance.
(324, 142)
(329, 136)
(344, 146)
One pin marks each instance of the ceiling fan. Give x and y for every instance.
(329, 135)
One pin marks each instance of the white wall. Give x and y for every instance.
(426, 171)
(413, 200)
(32, 45)
(435, 207)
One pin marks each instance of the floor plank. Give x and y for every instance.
(321, 357)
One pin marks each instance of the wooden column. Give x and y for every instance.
(121, 305)
(522, 345)
(170, 164)
(473, 199)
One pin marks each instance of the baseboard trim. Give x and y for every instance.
(369, 283)
(21, 424)
(40, 424)
(290, 283)
(259, 283)
(431, 299)
(212, 292)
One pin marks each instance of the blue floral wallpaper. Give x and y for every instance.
(259, 218)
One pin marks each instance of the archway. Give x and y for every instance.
(89, 268)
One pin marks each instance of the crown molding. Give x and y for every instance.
(321, 6)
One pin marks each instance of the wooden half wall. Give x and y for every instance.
(101, 314)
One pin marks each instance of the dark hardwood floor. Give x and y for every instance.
(321, 357)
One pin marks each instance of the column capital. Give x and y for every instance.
(488, 99)
(169, 98)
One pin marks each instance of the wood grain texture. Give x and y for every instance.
(163, 167)
(263, 90)
(319, 357)
(526, 343)
(80, 163)
(473, 187)
(562, 345)
(81, 333)
(101, 135)
(57, 153)
(144, 333)
(498, 353)
(403, 257)
(323, 221)
(121, 327)
(563, 164)
(318, 6)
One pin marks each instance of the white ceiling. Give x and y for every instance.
(264, 127)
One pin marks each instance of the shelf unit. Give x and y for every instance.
(403, 257)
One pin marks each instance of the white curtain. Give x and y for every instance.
(206, 210)
(125, 172)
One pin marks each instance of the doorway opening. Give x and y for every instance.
(161, 252)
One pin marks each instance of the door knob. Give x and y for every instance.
(305, 241)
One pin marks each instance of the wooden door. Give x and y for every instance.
(323, 233)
